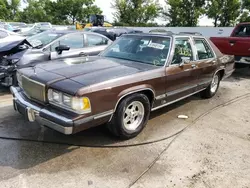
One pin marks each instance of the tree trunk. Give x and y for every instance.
(215, 21)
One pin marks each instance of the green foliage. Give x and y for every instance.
(183, 12)
(135, 12)
(223, 12)
(245, 16)
(56, 12)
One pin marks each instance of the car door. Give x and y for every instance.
(240, 40)
(76, 43)
(205, 60)
(95, 44)
(181, 73)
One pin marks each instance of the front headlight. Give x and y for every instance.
(80, 105)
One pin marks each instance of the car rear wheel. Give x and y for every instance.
(211, 90)
(130, 117)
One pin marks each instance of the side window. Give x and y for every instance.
(203, 49)
(3, 34)
(182, 50)
(242, 31)
(95, 40)
(74, 41)
(53, 46)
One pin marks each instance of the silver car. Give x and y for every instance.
(48, 45)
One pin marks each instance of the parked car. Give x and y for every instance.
(238, 44)
(7, 36)
(122, 85)
(18, 26)
(43, 25)
(8, 27)
(48, 45)
(112, 33)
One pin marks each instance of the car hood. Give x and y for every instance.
(69, 75)
(12, 45)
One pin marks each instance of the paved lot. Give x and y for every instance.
(210, 149)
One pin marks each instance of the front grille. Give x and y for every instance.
(33, 89)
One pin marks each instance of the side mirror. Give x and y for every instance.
(61, 48)
(184, 60)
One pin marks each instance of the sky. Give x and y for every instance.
(105, 6)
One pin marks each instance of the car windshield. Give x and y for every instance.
(144, 49)
(16, 24)
(42, 39)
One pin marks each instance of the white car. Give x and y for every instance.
(8, 36)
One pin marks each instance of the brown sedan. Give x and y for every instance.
(137, 74)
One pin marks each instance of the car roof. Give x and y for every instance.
(65, 32)
(169, 34)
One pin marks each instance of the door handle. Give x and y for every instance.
(83, 54)
(193, 66)
(232, 42)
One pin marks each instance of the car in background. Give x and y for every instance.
(48, 45)
(8, 36)
(237, 44)
(112, 33)
(18, 25)
(43, 25)
(8, 27)
(135, 75)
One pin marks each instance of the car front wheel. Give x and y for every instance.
(131, 116)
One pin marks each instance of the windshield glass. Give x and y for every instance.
(44, 38)
(144, 49)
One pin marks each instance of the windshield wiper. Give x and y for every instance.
(128, 59)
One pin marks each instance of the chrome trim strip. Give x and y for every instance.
(160, 97)
(136, 91)
(158, 107)
(174, 92)
(104, 114)
(36, 82)
(218, 71)
(55, 126)
(17, 96)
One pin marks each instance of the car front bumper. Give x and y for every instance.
(37, 113)
(53, 119)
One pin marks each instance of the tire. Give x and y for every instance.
(130, 117)
(211, 90)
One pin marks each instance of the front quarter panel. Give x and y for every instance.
(106, 95)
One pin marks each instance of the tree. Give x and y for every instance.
(135, 12)
(58, 12)
(183, 12)
(34, 12)
(4, 10)
(13, 6)
(245, 16)
(223, 12)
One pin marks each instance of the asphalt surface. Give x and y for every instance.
(209, 149)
